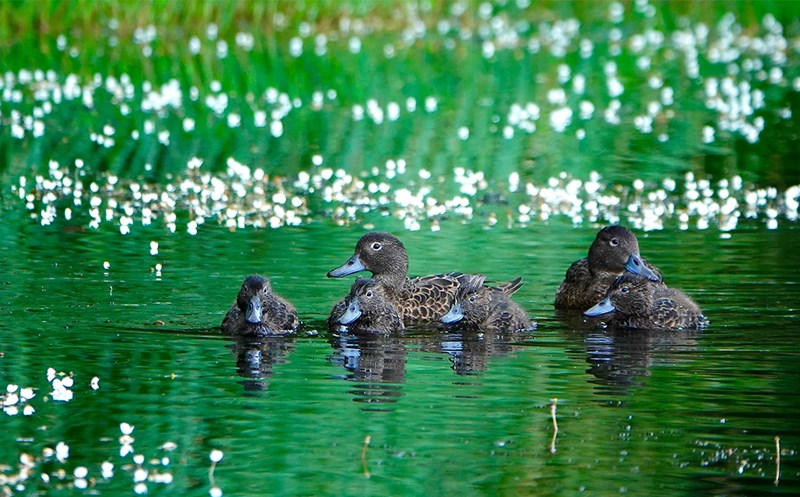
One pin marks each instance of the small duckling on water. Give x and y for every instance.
(615, 250)
(634, 301)
(369, 308)
(258, 311)
(486, 308)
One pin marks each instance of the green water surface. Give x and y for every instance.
(153, 154)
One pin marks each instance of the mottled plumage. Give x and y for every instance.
(485, 308)
(368, 308)
(634, 301)
(258, 311)
(423, 299)
(614, 251)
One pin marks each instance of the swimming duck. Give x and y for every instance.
(423, 299)
(634, 301)
(369, 308)
(258, 311)
(614, 251)
(486, 308)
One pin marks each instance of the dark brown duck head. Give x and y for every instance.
(614, 250)
(382, 254)
(253, 293)
(630, 295)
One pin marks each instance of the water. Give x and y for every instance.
(679, 413)
(154, 157)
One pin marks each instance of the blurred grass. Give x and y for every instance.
(474, 90)
(89, 18)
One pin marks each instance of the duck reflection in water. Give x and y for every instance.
(376, 363)
(257, 356)
(619, 359)
(470, 351)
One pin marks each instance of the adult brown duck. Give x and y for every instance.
(615, 250)
(423, 299)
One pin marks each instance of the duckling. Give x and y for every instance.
(614, 251)
(486, 308)
(634, 301)
(423, 299)
(259, 311)
(368, 309)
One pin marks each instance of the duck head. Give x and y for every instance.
(249, 300)
(382, 254)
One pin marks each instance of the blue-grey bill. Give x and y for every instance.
(636, 265)
(253, 313)
(352, 313)
(603, 307)
(454, 315)
(353, 265)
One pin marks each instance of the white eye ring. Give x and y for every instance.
(472, 299)
(369, 293)
(377, 246)
(624, 289)
(614, 242)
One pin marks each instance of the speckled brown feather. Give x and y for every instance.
(491, 309)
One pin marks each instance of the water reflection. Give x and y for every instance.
(257, 356)
(619, 359)
(376, 363)
(470, 351)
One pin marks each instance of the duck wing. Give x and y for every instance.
(427, 298)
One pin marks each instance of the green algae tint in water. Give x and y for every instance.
(681, 413)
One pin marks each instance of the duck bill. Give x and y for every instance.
(253, 313)
(353, 265)
(454, 315)
(603, 307)
(636, 265)
(352, 313)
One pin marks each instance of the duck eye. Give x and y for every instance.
(472, 298)
(624, 289)
(614, 242)
(376, 246)
(369, 293)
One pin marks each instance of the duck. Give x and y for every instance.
(637, 302)
(259, 312)
(422, 299)
(615, 250)
(486, 308)
(369, 309)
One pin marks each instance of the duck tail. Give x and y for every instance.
(512, 286)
